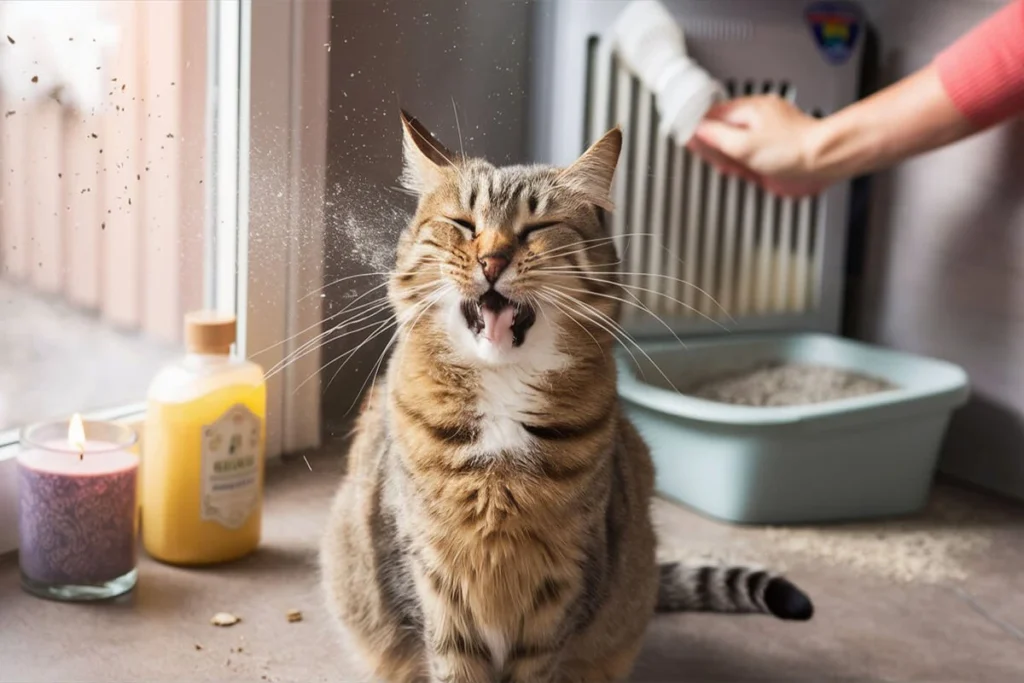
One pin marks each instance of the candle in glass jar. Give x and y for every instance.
(76, 510)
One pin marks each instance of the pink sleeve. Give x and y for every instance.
(983, 72)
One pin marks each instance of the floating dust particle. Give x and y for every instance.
(310, 469)
(9, 114)
(10, 40)
(103, 226)
(224, 619)
(93, 135)
(170, 135)
(35, 79)
(198, 646)
(294, 615)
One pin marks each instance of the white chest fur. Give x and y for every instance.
(504, 402)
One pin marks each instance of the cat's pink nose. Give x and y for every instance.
(494, 265)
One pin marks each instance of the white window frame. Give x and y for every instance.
(275, 126)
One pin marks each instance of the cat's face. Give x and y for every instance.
(505, 265)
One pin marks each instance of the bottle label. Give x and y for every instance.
(231, 467)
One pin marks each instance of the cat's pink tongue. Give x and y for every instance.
(498, 326)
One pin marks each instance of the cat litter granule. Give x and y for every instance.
(787, 384)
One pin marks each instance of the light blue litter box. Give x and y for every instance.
(854, 458)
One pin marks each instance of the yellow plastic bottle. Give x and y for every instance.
(203, 453)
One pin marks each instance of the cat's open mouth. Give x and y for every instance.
(498, 319)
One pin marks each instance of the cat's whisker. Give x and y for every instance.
(568, 307)
(317, 341)
(458, 127)
(623, 331)
(382, 273)
(320, 345)
(579, 272)
(635, 303)
(577, 322)
(596, 242)
(360, 313)
(321, 322)
(348, 354)
(626, 289)
(567, 250)
(403, 190)
(443, 290)
(394, 320)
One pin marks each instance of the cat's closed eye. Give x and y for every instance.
(530, 229)
(466, 225)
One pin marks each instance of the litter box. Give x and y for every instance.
(852, 458)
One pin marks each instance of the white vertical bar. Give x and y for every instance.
(638, 214)
(656, 252)
(745, 280)
(229, 261)
(728, 280)
(817, 257)
(765, 255)
(803, 255)
(709, 259)
(675, 226)
(623, 104)
(310, 77)
(693, 204)
(600, 90)
(783, 277)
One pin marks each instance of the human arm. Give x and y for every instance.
(975, 83)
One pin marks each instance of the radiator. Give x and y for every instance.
(698, 251)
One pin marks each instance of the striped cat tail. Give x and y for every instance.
(736, 590)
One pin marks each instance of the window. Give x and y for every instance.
(153, 168)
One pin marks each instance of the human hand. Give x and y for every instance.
(765, 139)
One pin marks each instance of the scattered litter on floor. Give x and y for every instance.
(224, 619)
(787, 384)
(939, 545)
(198, 646)
(294, 615)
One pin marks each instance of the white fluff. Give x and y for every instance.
(651, 43)
(60, 42)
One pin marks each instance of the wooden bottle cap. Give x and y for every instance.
(209, 332)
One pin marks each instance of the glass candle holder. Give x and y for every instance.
(76, 510)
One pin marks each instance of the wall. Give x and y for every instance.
(944, 272)
(421, 56)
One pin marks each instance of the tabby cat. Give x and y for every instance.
(494, 522)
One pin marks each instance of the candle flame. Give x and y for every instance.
(76, 433)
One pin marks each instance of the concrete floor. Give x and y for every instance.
(55, 360)
(936, 598)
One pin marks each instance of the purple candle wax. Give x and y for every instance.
(76, 508)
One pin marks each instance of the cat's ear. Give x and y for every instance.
(591, 175)
(425, 157)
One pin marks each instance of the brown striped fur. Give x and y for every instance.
(493, 525)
